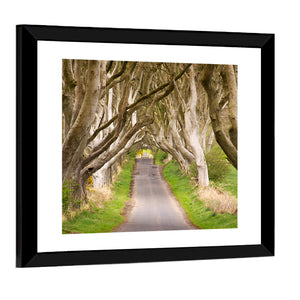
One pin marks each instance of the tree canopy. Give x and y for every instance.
(110, 106)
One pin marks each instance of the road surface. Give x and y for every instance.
(155, 207)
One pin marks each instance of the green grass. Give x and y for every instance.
(229, 183)
(159, 156)
(185, 192)
(105, 219)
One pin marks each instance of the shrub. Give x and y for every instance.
(90, 181)
(131, 154)
(193, 172)
(217, 164)
(68, 201)
(160, 156)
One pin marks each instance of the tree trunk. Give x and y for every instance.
(231, 81)
(79, 90)
(192, 130)
(210, 141)
(68, 94)
(76, 139)
(214, 97)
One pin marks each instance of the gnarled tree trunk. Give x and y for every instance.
(77, 136)
(192, 132)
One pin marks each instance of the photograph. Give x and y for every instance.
(148, 146)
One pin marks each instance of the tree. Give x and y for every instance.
(106, 122)
(220, 83)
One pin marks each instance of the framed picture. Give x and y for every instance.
(176, 105)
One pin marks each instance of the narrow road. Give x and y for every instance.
(155, 207)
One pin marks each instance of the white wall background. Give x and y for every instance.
(254, 278)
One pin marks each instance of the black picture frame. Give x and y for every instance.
(27, 153)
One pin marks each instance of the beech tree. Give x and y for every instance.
(183, 128)
(220, 83)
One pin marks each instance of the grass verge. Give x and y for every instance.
(159, 156)
(197, 211)
(230, 181)
(107, 215)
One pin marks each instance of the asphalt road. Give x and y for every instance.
(155, 207)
